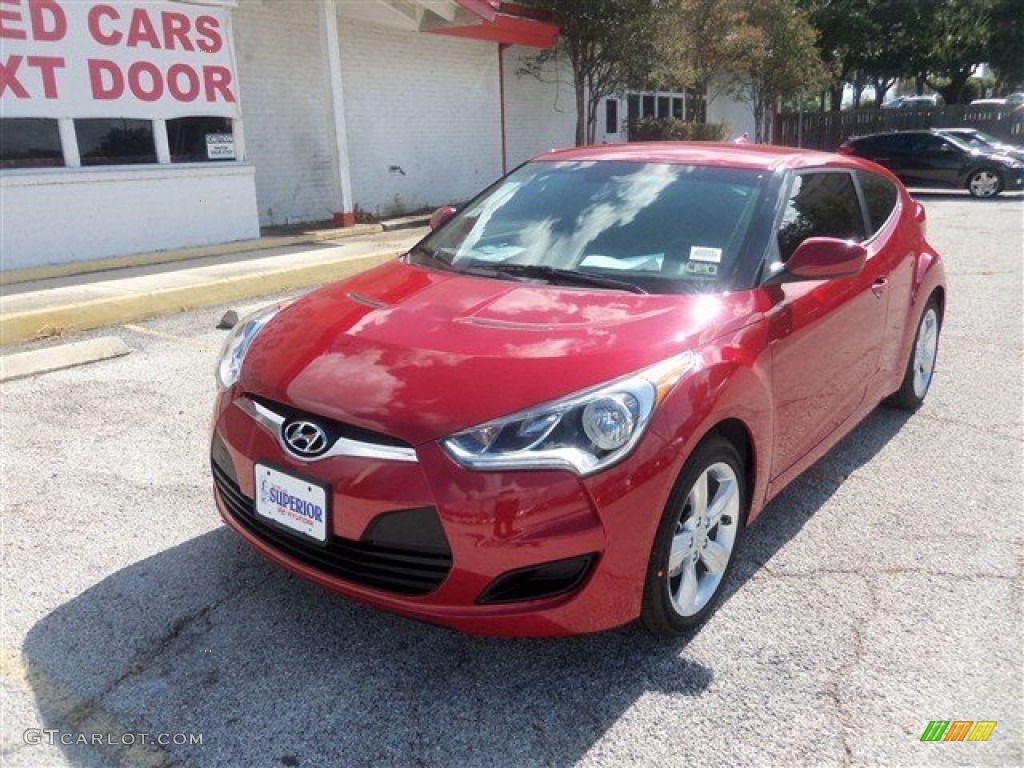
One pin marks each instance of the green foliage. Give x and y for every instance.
(938, 42)
(781, 60)
(611, 45)
(959, 32)
(674, 129)
(1006, 45)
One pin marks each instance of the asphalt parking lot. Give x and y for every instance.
(881, 591)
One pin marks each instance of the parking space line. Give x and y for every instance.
(77, 717)
(185, 340)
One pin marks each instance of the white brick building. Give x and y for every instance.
(136, 125)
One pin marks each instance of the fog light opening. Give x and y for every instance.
(538, 581)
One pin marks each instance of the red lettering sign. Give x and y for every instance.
(47, 66)
(99, 33)
(49, 22)
(145, 59)
(101, 73)
(9, 77)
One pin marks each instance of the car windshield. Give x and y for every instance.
(646, 227)
(979, 139)
(959, 141)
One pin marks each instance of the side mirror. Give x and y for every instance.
(824, 258)
(440, 216)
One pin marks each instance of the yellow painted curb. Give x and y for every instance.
(113, 310)
(183, 254)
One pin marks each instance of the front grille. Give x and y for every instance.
(333, 428)
(402, 570)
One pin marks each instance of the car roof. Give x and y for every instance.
(886, 134)
(749, 156)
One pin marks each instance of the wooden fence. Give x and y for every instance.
(827, 130)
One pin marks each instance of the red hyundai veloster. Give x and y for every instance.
(559, 411)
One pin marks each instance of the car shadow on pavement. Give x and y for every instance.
(787, 514)
(208, 639)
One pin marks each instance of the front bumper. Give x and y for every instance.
(430, 540)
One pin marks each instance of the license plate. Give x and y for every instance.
(296, 504)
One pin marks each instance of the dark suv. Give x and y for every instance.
(925, 159)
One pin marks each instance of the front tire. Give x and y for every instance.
(698, 536)
(984, 182)
(917, 378)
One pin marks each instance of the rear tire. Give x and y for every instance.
(917, 378)
(694, 549)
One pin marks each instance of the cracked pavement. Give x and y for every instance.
(880, 591)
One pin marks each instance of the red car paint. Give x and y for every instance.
(419, 354)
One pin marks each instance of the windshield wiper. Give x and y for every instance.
(433, 255)
(564, 276)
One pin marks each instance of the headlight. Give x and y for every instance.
(238, 342)
(585, 432)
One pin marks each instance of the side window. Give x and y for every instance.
(820, 205)
(930, 144)
(895, 143)
(881, 197)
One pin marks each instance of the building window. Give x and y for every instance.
(649, 106)
(633, 105)
(677, 107)
(200, 139)
(27, 142)
(663, 106)
(115, 141)
(611, 116)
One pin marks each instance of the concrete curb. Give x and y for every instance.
(112, 310)
(183, 254)
(38, 361)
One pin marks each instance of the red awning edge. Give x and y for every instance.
(509, 28)
(485, 9)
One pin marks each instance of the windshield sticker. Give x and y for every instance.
(698, 268)
(703, 253)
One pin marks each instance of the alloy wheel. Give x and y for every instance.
(984, 184)
(704, 539)
(925, 351)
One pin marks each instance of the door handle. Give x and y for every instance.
(878, 287)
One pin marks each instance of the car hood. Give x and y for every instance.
(419, 354)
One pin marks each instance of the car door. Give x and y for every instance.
(889, 151)
(825, 335)
(933, 161)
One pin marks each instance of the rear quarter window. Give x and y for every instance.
(895, 142)
(881, 196)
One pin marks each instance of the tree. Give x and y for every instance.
(782, 60)
(843, 29)
(610, 44)
(960, 32)
(895, 45)
(704, 42)
(1006, 45)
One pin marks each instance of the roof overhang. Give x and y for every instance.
(490, 20)
(504, 23)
